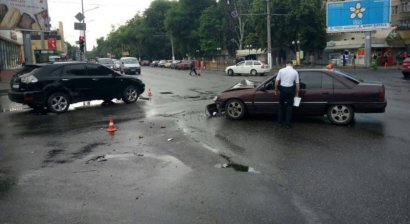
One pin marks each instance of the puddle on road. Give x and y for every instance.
(7, 106)
(171, 160)
(235, 166)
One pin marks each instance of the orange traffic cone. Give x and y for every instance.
(111, 127)
(149, 92)
(329, 66)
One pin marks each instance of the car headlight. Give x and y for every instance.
(215, 98)
(29, 79)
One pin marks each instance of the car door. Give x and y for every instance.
(248, 67)
(105, 85)
(239, 67)
(265, 101)
(316, 89)
(74, 77)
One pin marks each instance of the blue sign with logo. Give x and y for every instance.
(362, 15)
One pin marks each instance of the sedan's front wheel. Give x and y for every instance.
(58, 102)
(130, 94)
(340, 114)
(235, 109)
(230, 72)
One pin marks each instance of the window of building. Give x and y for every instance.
(9, 54)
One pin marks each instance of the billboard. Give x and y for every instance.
(365, 15)
(24, 15)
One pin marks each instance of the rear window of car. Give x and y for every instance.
(27, 69)
(130, 60)
(105, 61)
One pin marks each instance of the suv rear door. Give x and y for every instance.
(75, 78)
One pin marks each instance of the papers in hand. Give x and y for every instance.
(296, 101)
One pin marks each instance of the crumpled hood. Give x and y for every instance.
(244, 84)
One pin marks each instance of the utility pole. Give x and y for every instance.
(85, 39)
(268, 19)
(172, 48)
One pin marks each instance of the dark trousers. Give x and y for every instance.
(286, 95)
(193, 70)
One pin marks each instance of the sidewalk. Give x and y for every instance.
(4, 87)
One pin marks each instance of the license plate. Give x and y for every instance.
(133, 70)
(16, 86)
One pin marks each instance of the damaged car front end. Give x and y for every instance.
(219, 106)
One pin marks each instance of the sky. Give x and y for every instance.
(100, 15)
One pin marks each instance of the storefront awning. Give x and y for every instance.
(342, 47)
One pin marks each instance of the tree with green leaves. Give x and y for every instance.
(183, 23)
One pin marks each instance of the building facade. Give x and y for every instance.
(11, 49)
(387, 45)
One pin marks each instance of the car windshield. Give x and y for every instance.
(346, 75)
(105, 61)
(130, 61)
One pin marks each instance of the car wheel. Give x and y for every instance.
(254, 72)
(406, 75)
(58, 102)
(340, 114)
(130, 94)
(235, 109)
(230, 72)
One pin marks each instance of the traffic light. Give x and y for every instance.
(82, 42)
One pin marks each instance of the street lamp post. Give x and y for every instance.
(296, 44)
(268, 28)
(219, 57)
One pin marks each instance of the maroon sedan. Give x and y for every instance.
(323, 91)
(183, 65)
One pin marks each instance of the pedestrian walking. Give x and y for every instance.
(354, 60)
(386, 56)
(198, 66)
(287, 84)
(193, 69)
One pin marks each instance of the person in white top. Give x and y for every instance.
(287, 83)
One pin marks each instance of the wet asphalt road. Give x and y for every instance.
(169, 163)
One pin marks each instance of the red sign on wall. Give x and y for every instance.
(361, 51)
(52, 44)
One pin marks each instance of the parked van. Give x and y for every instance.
(131, 65)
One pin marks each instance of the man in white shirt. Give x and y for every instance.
(287, 82)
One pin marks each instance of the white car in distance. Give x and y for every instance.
(252, 67)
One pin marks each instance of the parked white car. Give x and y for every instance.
(131, 65)
(252, 67)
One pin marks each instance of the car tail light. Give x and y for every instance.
(382, 94)
(262, 66)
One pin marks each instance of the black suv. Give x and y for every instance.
(55, 86)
